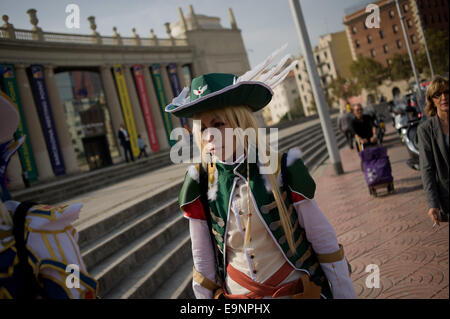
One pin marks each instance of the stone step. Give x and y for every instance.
(152, 274)
(179, 285)
(104, 222)
(70, 186)
(105, 246)
(123, 262)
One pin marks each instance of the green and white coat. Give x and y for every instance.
(224, 183)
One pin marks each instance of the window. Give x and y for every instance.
(391, 14)
(409, 23)
(294, 91)
(296, 66)
(381, 34)
(395, 28)
(299, 77)
(413, 38)
(372, 53)
(354, 30)
(303, 88)
(305, 98)
(399, 44)
(389, 61)
(325, 54)
(369, 39)
(385, 48)
(318, 58)
(405, 8)
(357, 43)
(329, 67)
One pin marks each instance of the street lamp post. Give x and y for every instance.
(411, 57)
(325, 121)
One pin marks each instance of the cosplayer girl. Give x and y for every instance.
(37, 242)
(254, 235)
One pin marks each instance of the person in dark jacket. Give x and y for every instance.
(124, 138)
(363, 127)
(433, 150)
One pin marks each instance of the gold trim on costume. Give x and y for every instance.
(203, 281)
(333, 257)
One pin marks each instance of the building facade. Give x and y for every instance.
(382, 43)
(333, 58)
(73, 91)
(285, 97)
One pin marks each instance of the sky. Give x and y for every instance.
(265, 24)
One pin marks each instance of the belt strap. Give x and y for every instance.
(268, 288)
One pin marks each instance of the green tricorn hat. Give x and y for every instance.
(217, 90)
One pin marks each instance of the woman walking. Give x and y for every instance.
(433, 150)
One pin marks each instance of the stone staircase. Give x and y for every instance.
(66, 187)
(143, 250)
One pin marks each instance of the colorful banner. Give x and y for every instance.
(126, 107)
(162, 99)
(176, 88)
(46, 117)
(145, 104)
(25, 152)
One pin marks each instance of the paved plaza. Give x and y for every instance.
(391, 231)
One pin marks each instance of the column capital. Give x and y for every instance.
(105, 66)
(21, 65)
(49, 67)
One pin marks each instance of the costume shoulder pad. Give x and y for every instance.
(300, 181)
(190, 191)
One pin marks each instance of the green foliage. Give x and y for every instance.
(342, 88)
(400, 69)
(368, 72)
(438, 46)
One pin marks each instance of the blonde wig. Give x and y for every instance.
(242, 117)
(437, 85)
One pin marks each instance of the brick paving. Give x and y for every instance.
(391, 231)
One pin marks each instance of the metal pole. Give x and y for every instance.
(422, 32)
(411, 57)
(325, 121)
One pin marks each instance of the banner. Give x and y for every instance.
(25, 152)
(46, 117)
(162, 99)
(176, 87)
(126, 107)
(145, 104)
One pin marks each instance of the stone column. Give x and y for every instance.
(169, 94)
(65, 140)
(35, 135)
(113, 102)
(155, 109)
(136, 105)
(14, 173)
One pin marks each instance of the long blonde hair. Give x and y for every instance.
(242, 117)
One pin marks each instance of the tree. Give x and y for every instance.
(400, 69)
(437, 41)
(344, 89)
(369, 73)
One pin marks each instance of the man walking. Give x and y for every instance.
(124, 138)
(365, 130)
(345, 126)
